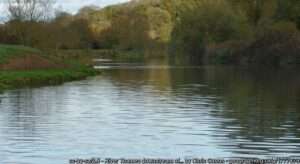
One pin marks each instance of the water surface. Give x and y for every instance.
(154, 110)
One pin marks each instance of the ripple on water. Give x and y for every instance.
(151, 112)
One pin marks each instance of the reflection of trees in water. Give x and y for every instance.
(262, 102)
(257, 105)
(251, 105)
(155, 75)
(259, 100)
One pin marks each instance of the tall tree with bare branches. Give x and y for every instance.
(30, 10)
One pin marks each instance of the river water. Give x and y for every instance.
(154, 110)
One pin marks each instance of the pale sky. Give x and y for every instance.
(70, 5)
(74, 5)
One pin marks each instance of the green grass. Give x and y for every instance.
(26, 78)
(18, 79)
(8, 51)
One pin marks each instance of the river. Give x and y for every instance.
(154, 110)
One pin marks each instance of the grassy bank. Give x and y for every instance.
(23, 67)
(11, 51)
(18, 79)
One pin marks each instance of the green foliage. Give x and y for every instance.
(188, 27)
(289, 10)
(15, 79)
(276, 45)
(284, 27)
(60, 33)
(136, 25)
(203, 30)
(255, 10)
(207, 22)
(160, 24)
(131, 27)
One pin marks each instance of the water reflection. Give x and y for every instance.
(265, 105)
(155, 112)
(257, 110)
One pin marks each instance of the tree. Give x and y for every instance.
(207, 22)
(160, 22)
(289, 10)
(131, 27)
(30, 10)
(86, 11)
(256, 10)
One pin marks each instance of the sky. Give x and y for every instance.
(69, 5)
(74, 5)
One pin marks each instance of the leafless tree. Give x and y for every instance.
(30, 10)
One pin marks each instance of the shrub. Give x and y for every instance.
(277, 45)
(208, 22)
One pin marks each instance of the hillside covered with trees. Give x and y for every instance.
(202, 31)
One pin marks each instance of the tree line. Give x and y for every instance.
(136, 25)
(36, 23)
(200, 30)
(238, 31)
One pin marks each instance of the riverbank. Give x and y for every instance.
(117, 55)
(24, 67)
(18, 79)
